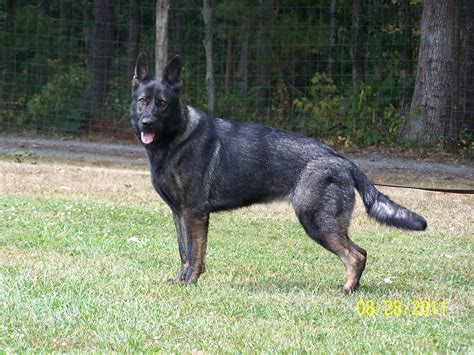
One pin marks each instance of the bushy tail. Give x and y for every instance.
(382, 208)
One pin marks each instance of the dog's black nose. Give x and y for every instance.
(147, 122)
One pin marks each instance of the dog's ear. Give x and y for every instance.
(172, 73)
(141, 73)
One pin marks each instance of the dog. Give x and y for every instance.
(200, 164)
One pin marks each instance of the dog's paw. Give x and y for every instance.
(349, 289)
(174, 281)
(191, 277)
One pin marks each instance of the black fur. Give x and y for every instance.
(201, 164)
(382, 208)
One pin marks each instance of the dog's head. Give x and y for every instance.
(155, 110)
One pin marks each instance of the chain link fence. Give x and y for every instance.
(335, 70)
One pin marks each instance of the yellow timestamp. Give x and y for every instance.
(398, 308)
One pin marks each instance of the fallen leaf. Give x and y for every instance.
(447, 256)
(135, 240)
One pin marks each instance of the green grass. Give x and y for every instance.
(71, 280)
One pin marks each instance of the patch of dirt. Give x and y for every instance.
(131, 186)
(412, 154)
(59, 180)
(393, 165)
(71, 149)
(419, 166)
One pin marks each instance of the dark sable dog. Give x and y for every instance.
(201, 164)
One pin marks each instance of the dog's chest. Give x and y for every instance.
(168, 184)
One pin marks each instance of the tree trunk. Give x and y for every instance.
(45, 8)
(102, 38)
(243, 64)
(10, 16)
(264, 54)
(332, 39)
(433, 104)
(161, 43)
(405, 73)
(179, 32)
(208, 46)
(357, 45)
(466, 100)
(88, 24)
(65, 17)
(134, 34)
(229, 63)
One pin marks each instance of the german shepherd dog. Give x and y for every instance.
(201, 164)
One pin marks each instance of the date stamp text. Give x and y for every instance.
(398, 308)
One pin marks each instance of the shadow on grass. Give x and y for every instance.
(282, 284)
(286, 285)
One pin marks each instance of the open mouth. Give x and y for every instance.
(147, 138)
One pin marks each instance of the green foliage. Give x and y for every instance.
(58, 107)
(237, 107)
(117, 102)
(9, 110)
(361, 116)
(41, 54)
(318, 113)
(19, 156)
(462, 143)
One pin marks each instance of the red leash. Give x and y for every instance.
(451, 191)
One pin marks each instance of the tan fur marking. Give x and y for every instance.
(197, 228)
(351, 256)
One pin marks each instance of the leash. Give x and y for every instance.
(451, 191)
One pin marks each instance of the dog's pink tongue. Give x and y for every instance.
(147, 138)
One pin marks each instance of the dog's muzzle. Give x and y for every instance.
(147, 136)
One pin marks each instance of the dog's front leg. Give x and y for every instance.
(181, 232)
(196, 225)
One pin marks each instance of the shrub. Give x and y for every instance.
(58, 107)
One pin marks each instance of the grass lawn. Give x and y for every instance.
(72, 280)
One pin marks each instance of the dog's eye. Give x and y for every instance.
(142, 102)
(160, 102)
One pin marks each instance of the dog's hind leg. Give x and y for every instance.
(323, 200)
(352, 256)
